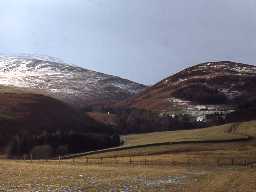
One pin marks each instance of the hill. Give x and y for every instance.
(200, 90)
(28, 119)
(233, 140)
(74, 85)
(199, 96)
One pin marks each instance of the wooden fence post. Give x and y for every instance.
(245, 163)
(31, 157)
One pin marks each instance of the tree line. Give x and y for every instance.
(47, 145)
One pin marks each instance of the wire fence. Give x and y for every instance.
(149, 161)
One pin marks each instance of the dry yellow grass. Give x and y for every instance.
(207, 134)
(142, 143)
(180, 167)
(247, 128)
(51, 176)
(228, 181)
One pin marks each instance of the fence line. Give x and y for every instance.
(145, 160)
(120, 148)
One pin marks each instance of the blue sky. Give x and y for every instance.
(141, 40)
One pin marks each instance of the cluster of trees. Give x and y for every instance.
(49, 145)
(201, 94)
(140, 121)
(133, 120)
(245, 112)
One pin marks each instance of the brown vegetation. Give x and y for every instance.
(29, 120)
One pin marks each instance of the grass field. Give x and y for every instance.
(217, 133)
(231, 140)
(52, 176)
(159, 163)
(225, 132)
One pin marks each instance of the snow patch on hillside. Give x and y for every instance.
(61, 78)
(199, 112)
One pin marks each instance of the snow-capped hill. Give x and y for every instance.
(212, 69)
(70, 83)
(202, 90)
(33, 56)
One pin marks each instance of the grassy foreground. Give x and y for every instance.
(189, 166)
(52, 176)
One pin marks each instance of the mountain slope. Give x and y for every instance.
(72, 84)
(29, 120)
(201, 91)
(22, 111)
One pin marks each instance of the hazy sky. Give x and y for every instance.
(142, 40)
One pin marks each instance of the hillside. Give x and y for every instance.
(28, 119)
(74, 85)
(204, 92)
(233, 140)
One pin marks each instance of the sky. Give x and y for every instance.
(141, 40)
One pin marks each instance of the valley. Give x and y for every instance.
(65, 128)
(127, 96)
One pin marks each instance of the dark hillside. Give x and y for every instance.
(32, 119)
(203, 95)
